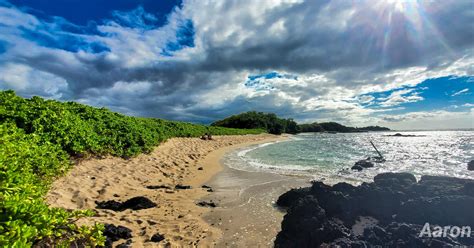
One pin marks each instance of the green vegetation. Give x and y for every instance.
(373, 128)
(27, 166)
(275, 125)
(39, 137)
(267, 121)
(336, 127)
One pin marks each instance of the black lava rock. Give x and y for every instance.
(323, 215)
(357, 168)
(179, 186)
(114, 233)
(112, 205)
(209, 188)
(158, 187)
(290, 197)
(364, 164)
(127, 244)
(395, 180)
(470, 165)
(206, 204)
(135, 203)
(157, 238)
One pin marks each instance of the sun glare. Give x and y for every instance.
(404, 18)
(398, 5)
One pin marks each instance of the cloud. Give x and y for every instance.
(399, 97)
(307, 60)
(30, 81)
(431, 120)
(137, 18)
(460, 92)
(366, 99)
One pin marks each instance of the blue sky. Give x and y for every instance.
(81, 12)
(397, 63)
(444, 93)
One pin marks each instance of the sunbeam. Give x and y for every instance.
(403, 21)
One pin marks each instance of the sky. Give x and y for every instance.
(404, 64)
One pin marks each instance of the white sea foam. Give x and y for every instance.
(242, 153)
(329, 156)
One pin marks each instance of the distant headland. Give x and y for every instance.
(275, 125)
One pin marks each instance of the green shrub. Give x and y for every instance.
(27, 166)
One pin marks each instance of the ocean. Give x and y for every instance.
(328, 157)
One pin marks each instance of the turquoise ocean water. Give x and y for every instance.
(329, 156)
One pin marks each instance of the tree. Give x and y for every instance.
(268, 121)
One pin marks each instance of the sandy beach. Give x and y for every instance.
(247, 214)
(185, 161)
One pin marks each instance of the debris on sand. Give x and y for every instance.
(209, 204)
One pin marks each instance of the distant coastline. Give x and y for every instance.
(427, 130)
(276, 125)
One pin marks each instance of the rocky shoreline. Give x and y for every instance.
(395, 210)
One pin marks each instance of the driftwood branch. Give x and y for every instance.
(380, 154)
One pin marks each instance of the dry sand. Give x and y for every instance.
(177, 217)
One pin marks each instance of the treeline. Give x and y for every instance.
(336, 127)
(38, 139)
(275, 125)
(266, 121)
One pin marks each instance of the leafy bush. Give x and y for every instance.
(267, 121)
(38, 138)
(27, 167)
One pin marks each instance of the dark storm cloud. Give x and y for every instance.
(313, 40)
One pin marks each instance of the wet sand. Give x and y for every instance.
(246, 214)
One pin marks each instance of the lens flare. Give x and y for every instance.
(404, 21)
(397, 4)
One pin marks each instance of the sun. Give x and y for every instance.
(398, 5)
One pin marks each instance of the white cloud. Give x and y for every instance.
(460, 92)
(430, 120)
(366, 99)
(399, 97)
(30, 81)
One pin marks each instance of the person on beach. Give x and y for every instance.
(207, 136)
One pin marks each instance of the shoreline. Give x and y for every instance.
(246, 213)
(186, 161)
